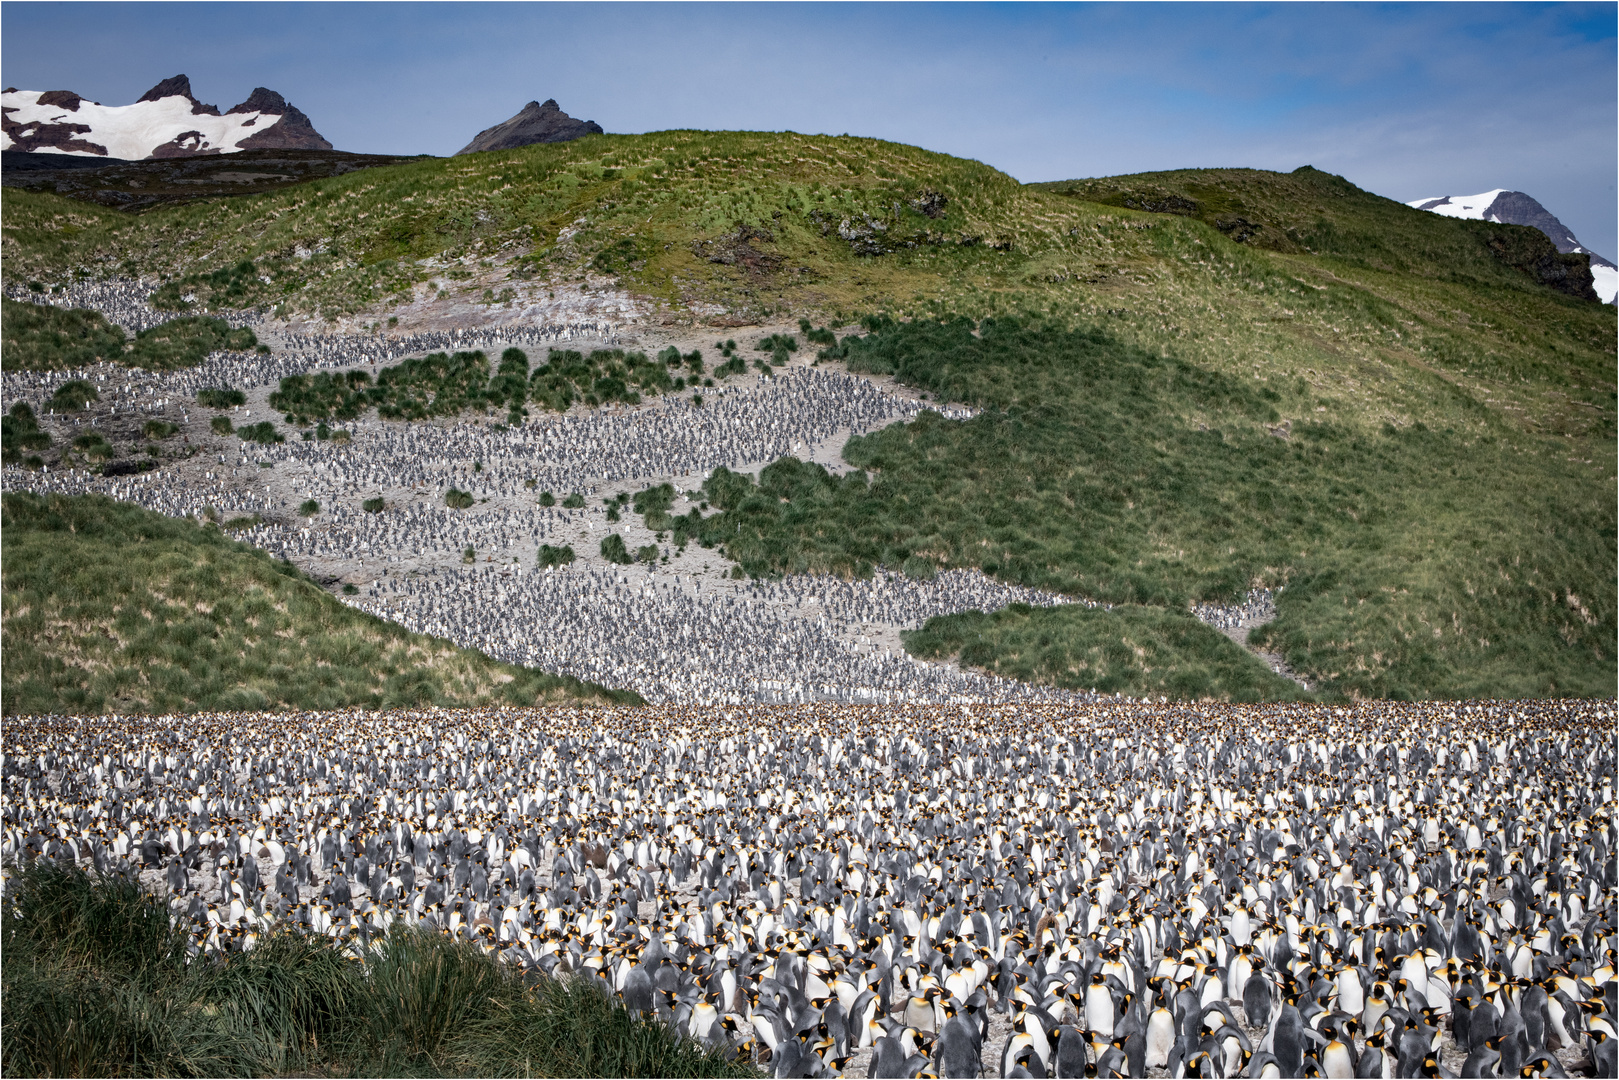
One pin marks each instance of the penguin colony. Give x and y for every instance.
(1124, 890)
(804, 638)
(561, 454)
(128, 389)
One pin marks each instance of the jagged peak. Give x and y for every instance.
(179, 86)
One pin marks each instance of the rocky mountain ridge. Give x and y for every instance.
(165, 122)
(535, 123)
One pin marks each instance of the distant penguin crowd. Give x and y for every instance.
(1382, 890)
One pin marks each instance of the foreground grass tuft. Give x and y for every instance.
(96, 983)
(112, 608)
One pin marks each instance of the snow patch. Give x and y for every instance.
(1605, 279)
(132, 132)
(1473, 207)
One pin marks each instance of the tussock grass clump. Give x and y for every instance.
(438, 384)
(1130, 649)
(97, 983)
(444, 384)
(220, 398)
(112, 608)
(550, 555)
(779, 346)
(306, 398)
(186, 342)
(817, 335)
(20, 432)
(263, 433)
(600, 377)
(93, 446)
(614, 551)
(233, 287)
(1418, 561)
(40, 337)
(74, 395)
(653, 505)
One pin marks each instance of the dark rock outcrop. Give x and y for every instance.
(1516, 208)
(149, 182)
(261, 100)
(179, 86)
(185, 144)
(47, 137)
(537, 123)
(1528, 249)
(1160, 203)
(292, 132)
(62, 99)
(737, 249)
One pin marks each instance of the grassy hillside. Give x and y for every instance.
(1311, 212)
(39, 337)
(1214, 378)
(1463, 559)
(112, 608)
(1368, 300)
(1139, 651)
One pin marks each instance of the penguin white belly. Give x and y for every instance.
(1160, 1037)
(1099, 1011)
(1232, 1049)
(1336, 1062)
(1239, 972)
(1351, 997)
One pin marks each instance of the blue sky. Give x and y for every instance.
(1405, 100)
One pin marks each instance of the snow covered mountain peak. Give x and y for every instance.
(1516, 208)
(167, 121)
(1476, 207)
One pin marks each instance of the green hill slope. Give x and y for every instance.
(1367, 299)
(112, 608)
(1311, 212)
(1462, 560)
(1298, 381)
